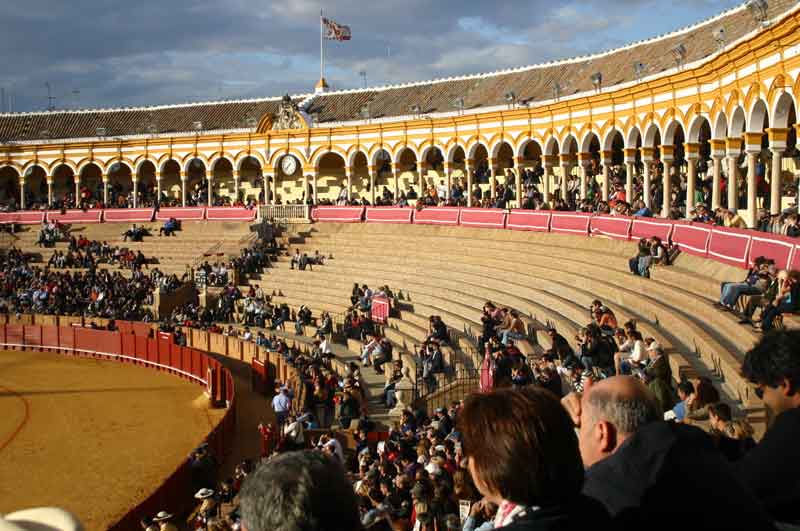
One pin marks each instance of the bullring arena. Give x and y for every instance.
(92, 436)
(171, 275)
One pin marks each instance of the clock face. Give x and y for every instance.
(289, 165)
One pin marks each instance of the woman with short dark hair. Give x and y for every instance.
(522, 453)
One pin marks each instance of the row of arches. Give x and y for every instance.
(732, 133)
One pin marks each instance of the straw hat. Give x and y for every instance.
(161, 516)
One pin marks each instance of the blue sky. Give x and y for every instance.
(106, 53)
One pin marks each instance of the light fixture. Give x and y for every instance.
(719, 38)
(511, 98)
(759, 8)
(679, 54)
(197, 126)
(101, 131)
(639, 69)
(597, 80)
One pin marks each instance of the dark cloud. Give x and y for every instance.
(153, 52)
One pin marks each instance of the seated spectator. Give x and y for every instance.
(304, 262)
(753, 284)
(437, 330)
(734, 438)
(299, 490)
(658, 376)
(523, 456)
(169, 227)
(771, 469)
(637, 463)
(678, 411)
(787, 299)
(295, 261)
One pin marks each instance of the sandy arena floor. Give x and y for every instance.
(94, 437)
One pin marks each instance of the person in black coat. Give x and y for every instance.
(772, 468)
(650, 474)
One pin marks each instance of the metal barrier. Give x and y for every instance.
(285, 213)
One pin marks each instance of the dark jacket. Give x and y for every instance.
(580, 514)
(669, 476)
(772, 468)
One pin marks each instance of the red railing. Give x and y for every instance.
(125, 346)
(730, 246)
(129, 215)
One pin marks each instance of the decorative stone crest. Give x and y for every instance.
(288, 115)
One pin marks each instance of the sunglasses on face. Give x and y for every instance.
(759, 392)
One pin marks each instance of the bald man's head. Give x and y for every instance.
(612, 410)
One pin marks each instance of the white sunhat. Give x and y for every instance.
(202, 494)
(161, 516)
(40, 519)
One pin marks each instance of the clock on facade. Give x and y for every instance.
(289, 165)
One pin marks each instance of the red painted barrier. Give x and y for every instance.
(731, 246)
(570, 222)
(338, 214)
(530, 220)
(230, 214)
(691, 238)
(389, 215)
(437, 216)
(181, 214)
(778, 248)
(795, 262)
(75, 216)
(486, 218)
(23, 218)
(617, 227)
(650, 227)
(128, 215)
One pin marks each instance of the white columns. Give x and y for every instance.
(468, 168)
(584, 180)
(77, 189)
(184, 177)
(372, 177)
(715, 183)
(49, 191)
(777, 144)
(667, 156)
(752, 197)
(547, 179)
(210, 190)
(349, 182)
(105, 191)
(22, 193)
(315, 196)
(448, 171)
(396, 175)
(607, 157)
(158, 187)
(733, 150)
(135, 192)
(691, 180)
(235, 186)
(306, 196)
(775, 191)
(629, 174)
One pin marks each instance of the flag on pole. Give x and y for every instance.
(334, 31)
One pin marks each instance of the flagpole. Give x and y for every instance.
(321, 48)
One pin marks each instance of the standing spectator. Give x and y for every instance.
(282, 405)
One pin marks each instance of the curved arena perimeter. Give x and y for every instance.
(535, 185)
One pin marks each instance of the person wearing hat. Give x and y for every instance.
(163, 520)
(208, 509)
(658, 375)
(40, 519)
